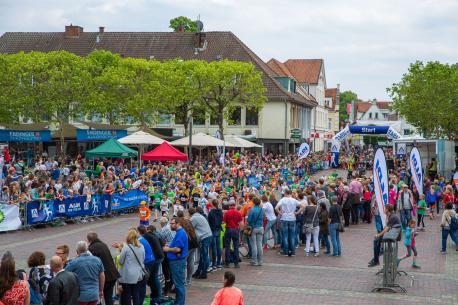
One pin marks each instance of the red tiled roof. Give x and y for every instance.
(305, 70)
(363, 106)
(158, 45)
(332, 93)
(279, 68)
(384, 104)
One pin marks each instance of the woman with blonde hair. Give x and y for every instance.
(132, 269)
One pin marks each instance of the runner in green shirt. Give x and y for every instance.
(421, 212)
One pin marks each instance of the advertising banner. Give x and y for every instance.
(25, 135)
(303, 151)
(455, 180)
(368, 129)
(99, 134)
(401, 151)
(380, 176)
(82, 206)
(129, 199)
(343, 134)
(40, 211)
(9, 217)
(416, 169)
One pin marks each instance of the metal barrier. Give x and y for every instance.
(390, 262)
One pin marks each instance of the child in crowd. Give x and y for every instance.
(409, 242)
(421, 212)
(177, 207)
(144, 214)
(165, 205)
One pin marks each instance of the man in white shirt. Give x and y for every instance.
(286, 209)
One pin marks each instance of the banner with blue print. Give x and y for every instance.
(335, 159)
(99, 134)
(129, 199)
(40, 211)
(79, 206)
(7, 135)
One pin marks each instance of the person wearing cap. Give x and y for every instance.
(405, 204)
(144, 214)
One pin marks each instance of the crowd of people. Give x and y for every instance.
(202, 214)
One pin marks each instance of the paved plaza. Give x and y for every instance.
(287, 280)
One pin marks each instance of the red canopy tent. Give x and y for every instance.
(165, 152)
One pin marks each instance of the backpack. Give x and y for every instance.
(453, 223)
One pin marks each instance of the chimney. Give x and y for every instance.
(73, 31)
(101, 29)
(200, 41)
(181, 28)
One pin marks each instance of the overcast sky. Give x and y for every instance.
(366, 44)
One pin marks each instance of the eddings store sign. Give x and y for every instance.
(99, 134)
(25, 135)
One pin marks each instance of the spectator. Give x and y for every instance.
(204, 237)
(90, 273)
(445, 224)
(40, 274)
(153, 239)
(312, 220)
(228, 295)
(255, 221)
(177, 251)
(335, 213)
(286, 208)
(193, 245)
(12, 290)
(64, 287)
(101, 250)
(233, 220)
(323, 236)
(63, 252)
(131, 259)
(215, 220)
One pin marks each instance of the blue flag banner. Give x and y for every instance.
(129, 199)
(25, 135)
(40, 211)
(335, 155)
(99, 134)
(82, 206)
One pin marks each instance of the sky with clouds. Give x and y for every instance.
(366, 44)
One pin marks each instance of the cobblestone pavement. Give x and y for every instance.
(288, 280)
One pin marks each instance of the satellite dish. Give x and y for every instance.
(200, 26)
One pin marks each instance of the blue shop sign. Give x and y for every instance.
(7, 135)
(99, 134)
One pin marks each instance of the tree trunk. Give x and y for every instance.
(62, 143)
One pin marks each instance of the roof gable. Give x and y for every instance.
(305, 70)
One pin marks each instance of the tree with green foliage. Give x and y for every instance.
(183, 22)
(346, 97)
(8, 81)
(185, 94)
(226, 85)
(51, 87)
(109, 87)
(427, 96)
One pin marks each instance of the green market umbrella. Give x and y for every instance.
(111, 149)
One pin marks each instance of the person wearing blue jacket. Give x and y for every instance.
(255, 221)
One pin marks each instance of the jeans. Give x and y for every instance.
(142, 284)
(270, 226)
(204, 260)
(216, 248)
(361, 211)
(324, 238)
(300, 236)
(130, 294)
(445, 233)
(335, 239)
(378, 223)
(288, 232)
(167, 275)
(155, 280)
(190, 262)
(354, 213)
(231, 235)
(108, 292)
(406, 216)
(256, 245)
(377, 247)
(367, 211)
(177, 271)
(316, 244)
(420, 220)
(346, 214)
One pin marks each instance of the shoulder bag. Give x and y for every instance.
(146, 273)
(340, 226)
(308, 227)
(248, 230)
